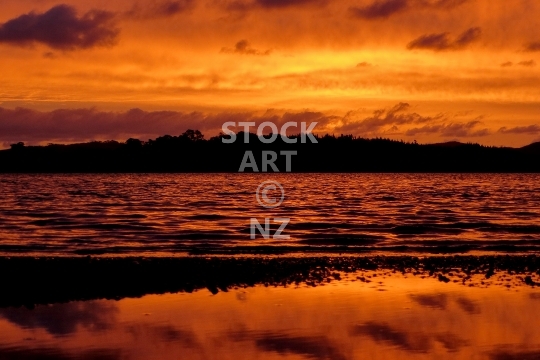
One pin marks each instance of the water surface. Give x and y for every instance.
(392, 317)
(174, 214)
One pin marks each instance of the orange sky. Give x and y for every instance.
(469, 70)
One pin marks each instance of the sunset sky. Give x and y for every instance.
(425, 70)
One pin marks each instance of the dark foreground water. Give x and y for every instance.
(164, 214)
(383, 316)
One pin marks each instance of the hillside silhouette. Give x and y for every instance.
(191, 152)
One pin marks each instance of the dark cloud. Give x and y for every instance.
(468, 37)
(363, 64)
(529, 63)
(61, 28)
(432, 41)
(49, 55)
(531, 130)
(397, 115)
(238, 6)
(76, 125)
(160, 9)
(286, 3)
(442, 41)
(71, 125)
(242, 5)
(381, 9)
(64, 319)
(79, 125)
(451, 130)
(243, 47)
(443, 4)
(533, 46)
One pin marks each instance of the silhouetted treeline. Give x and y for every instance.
(191, 152)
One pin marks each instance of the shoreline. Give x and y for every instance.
(43, 280)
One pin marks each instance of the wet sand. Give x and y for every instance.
(30, 281)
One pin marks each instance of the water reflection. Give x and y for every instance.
(311, 347)
(414, 318)
(435, 301)
(64, 319)
(387, 335)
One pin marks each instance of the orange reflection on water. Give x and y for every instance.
(396, 317)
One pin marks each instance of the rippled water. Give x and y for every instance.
(164, 214)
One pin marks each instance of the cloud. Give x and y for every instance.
(243, 47)
(468, 37)
(61, 28)
(286, 3)
(78, 125)
(382, 9)
(443, 4)
(451, 130)
(432, 41)
(363, 64)
(49, 55)
(531, 130)
(533, 46)
(529, 63)
(442, 41)
(161, 9)
(396, 115)
(73, 125)
(524, 63)
(242, 6)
